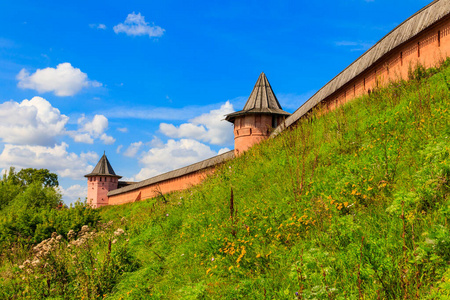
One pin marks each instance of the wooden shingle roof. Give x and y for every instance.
(262, 100)
(421, 20)
(207, 163)
(103, 168)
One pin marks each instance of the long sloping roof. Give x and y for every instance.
(103, 168)
(415, 24)
(177, 173)
(261, 100)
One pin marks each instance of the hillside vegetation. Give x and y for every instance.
(349, 204)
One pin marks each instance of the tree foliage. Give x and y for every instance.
(30, 187)
(31, 210)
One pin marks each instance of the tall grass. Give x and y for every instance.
(351, 204)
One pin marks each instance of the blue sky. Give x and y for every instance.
(149, 81)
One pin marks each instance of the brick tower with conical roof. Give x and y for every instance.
(261, 114)
(100, 181)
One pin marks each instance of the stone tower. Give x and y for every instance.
(100, 181)
(260, 115)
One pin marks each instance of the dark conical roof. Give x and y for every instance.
(103, 168)
(262, 100)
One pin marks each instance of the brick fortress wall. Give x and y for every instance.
(162, 187)
(429, 48)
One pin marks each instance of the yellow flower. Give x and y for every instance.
(229, 269)
(258, 255)
(209, 270)
(369, 188)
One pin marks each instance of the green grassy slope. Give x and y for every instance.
(352, 203)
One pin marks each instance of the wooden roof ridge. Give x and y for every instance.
(207, 163)
(418, 22)
(262, 99)
(103, 168)
(262, 95)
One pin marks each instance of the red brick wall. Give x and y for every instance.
(98, 188)
(252, 129)
(171, 185)
(428, 48)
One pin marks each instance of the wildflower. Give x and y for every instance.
(212, 259)
(167, 215)
(35, 262)
(71, 234)
(119, 232)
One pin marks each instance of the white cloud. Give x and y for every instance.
(73, 193)
(146, 173)
(171, 156)
(56, 159)
(65, 80)
(133, 149)
(95, 127)
(107, 140)
(124, 129)
(119, 148)
(98, 26)
(223, 150)
(355, 46)
(135, 25)
(33, 122)
(209, 127)
(88, 130)
(158, 113)
(82, 137)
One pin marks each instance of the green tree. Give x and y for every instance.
(37, 184)
(42, 176)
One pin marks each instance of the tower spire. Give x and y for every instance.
(261, 113)
(100, 181)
